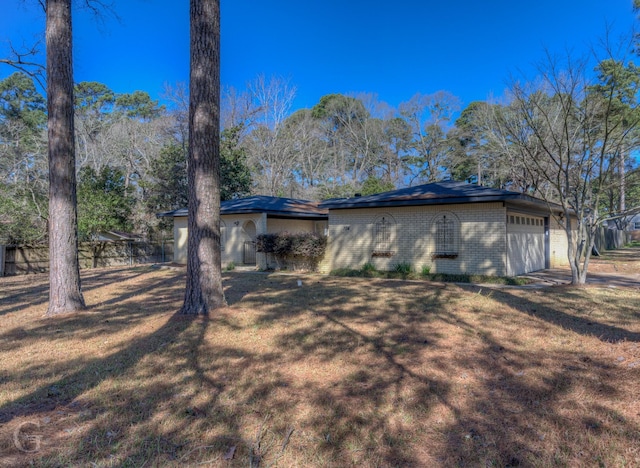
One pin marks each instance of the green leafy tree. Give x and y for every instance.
(104, 203)
(94, 97)
(21, 101)
(235, 175)
(618, 85)
(22, 216)
(373, 185)
(468, 157)
(23, 165)
(138, 105)
(165, 188)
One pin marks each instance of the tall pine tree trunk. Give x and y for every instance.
(204, 271)
(623, 183)
(65, 294)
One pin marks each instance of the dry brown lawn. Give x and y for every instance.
(621, 261)
(337, 372)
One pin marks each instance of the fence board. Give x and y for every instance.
(26, 260)
(611, 239)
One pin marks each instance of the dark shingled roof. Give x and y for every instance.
(435, 193)
(273, 206)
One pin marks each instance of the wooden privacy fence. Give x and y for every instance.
(16, 260)
(611, 239)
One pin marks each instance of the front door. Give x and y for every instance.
(249, 247)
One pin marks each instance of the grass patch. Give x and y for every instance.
(336, 372)
(368, 270)
(405, 271)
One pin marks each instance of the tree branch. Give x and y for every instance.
(24, 62)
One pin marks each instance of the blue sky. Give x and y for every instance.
(392, 49)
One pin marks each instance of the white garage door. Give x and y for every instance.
(525, 244)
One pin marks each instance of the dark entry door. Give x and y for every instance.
(249, 253)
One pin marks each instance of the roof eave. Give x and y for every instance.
(515, 198)
(290, 214)
(414, 202)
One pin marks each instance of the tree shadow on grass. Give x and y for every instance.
(366, 372)
(112, 315)
(36, 292)
(155, 397)
(578, 321)
(237, 284)
(523, 405)
(484, 396)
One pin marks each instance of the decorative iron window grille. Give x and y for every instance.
(382, 234)
(445, 238)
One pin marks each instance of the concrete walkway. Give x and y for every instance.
(556, 276)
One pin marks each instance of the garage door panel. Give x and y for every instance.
(525, 244)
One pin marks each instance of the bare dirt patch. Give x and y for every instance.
(336, 372)
(621, 261)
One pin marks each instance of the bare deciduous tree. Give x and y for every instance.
(569, 137)
(429, 117)
(270, 151)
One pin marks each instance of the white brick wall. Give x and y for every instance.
(558, 244)
(275, 225)
(234, 236)
(481, 243)
(180, 240)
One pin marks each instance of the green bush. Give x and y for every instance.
(426, 269)
(404, 268)
(368, 267)
(230, 266)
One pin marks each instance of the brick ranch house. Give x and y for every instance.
(451, 227)
(243, 219)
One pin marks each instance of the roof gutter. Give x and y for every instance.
(429, 201)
